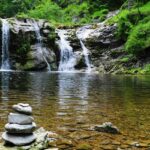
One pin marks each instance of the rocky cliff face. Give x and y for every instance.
(105, 50)
(24, 51)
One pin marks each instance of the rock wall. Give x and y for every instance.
(105, 50)
(24, 52)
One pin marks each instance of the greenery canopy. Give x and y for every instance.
(58, 10)
(133, 21)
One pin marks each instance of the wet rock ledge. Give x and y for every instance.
(25, 53)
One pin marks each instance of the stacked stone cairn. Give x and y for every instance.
(20, 126)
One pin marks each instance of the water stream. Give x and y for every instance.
(86, 56)
(67, 58)
(5, 45)
(40, 43)
(85, 50)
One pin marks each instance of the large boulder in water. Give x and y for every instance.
(107, 127)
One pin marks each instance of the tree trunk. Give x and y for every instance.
(130, 4)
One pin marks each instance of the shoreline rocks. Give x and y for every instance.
(20, 126)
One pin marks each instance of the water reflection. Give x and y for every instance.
(5, 85)
(73, 94)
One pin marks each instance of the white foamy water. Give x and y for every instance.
(67, 58)
(40, 43)
(5, 66)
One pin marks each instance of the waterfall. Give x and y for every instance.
(67, 58)
(5, 45)
(86, 56)
(40, 42)
(85, 50)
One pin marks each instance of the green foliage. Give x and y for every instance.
(46, 10)
(126, 59)
(134, 28)
(146, 69)
(124, 27)
(24, 47)
(76, 13)
(101, 15)
(59, 11)
(140, 70)
(9, 8)
(139, 39)
(133, 16)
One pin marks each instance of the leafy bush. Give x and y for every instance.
(124, 27)
(101, 15)
(46, 10)
(76, 12)
(59, 11)
(9, 8)
(139, 39)
(134, 28)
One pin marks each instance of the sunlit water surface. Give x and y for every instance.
(71, 103)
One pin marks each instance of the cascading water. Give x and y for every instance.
(86, 56)
(5, 45)
(67, 60)
(85, 51)
(40, 43)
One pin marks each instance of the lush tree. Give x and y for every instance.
(9, 8)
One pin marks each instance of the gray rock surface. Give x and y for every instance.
(23, 37)
(23, 108)
(21, 119)
(16, 128)
(18, 140)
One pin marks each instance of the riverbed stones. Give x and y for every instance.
(20, 126)
(107, 127)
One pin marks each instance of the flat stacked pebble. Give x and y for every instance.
(20, 126)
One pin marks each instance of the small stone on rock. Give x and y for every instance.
(23, 108)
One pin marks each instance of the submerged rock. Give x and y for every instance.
(21, 119)
(107, 127)
(16, 128)
(23, 108)
(18, 140)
